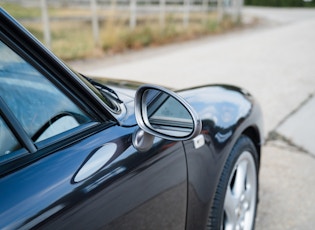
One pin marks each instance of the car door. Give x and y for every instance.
(64, 164)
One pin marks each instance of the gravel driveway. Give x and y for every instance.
(274, 61)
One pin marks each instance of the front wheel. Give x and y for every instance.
(235, 202)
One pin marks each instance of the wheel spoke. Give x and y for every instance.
(230, 204)
(248, 193)
(240, 179)
(240, 193)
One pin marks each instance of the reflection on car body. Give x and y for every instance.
(85, 153)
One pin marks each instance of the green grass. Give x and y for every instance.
(19, 12)
(73, 39)
(120, 38)
(69, 40)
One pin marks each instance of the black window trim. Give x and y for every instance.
(48, 74)
(31, 50)
(22, 157)
(66, 135)
(16, 127)
(28, 47)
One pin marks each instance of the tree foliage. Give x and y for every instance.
(281, 3)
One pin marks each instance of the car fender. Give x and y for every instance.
(226, 112)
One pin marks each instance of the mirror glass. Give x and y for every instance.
(165, 114)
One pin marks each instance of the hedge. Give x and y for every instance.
(281, 3)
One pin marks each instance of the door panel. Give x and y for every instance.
(133, 191)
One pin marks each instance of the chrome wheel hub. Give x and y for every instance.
(240, 196)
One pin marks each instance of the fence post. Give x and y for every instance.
(133, 14)
(236, 10)
(162, 13)
(186, 13)
(220, 10)
(46, 26)
(205, 10)
(95, 23)
(239, 6)
(205, 5)
(113, 9)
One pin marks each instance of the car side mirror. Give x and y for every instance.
(162, 113)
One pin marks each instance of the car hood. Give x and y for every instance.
(221, 105)
(124, 88)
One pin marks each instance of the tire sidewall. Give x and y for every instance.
(243, 144)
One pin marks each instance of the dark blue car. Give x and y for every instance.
(84, 153)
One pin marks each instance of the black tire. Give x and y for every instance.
(235, 202)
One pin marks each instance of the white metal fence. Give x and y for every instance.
(134, 9)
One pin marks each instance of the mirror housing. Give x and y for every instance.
(162, 113)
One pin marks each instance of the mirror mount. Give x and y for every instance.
(162, 113)
(142, 141)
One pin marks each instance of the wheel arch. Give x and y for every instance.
(253, 133)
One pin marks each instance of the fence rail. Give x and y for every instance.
(133, 9)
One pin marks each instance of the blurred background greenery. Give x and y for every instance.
(281, 3)
(72, 36)
(71, 30)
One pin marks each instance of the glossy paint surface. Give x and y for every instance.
(170, 186)
(129, 184)
(226, 113)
